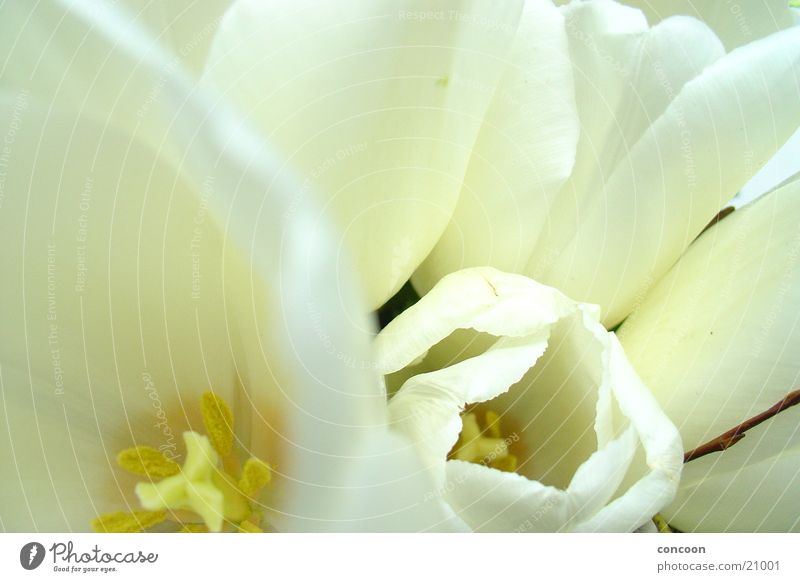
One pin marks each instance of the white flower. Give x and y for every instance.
(556, 378)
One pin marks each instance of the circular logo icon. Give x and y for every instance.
(31, 555)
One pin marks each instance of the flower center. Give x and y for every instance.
(485, 446)
(210, 492)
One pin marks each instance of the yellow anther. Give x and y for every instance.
(193, 528)
(147, 462)
(211, 485)
(493, 424)
(487, 446)
(199, 487)
(123, 522)
(255, 475)
(249, 527)
(218, 420)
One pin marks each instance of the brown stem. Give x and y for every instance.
(733, 436)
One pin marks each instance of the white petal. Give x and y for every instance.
(376, 104)
(597, 479)
(736, 23)
(756, 497)
(381, 486)
(719, 130)
(523, 154)
(482, 299)
(662, 447)
(641, 501)
(490, 500)
(494, 501)
(716, 340)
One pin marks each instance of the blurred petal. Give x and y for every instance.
(185, 27)
(736, 23)
(49, 50)
(385, 489)
(721, 127)
(524, 152)
(376, 104)
(113, 310)
(717, 341)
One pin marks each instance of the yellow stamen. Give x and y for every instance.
(218, 420)
(255, 476)
(199, 487)
(493, 424)
(122, 522)
(193, 528)
(147, 462)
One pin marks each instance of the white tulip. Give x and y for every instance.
(575, 411)
(134, 284)
(717, 341)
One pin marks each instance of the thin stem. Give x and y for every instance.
(724, 213)
(733, 436)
